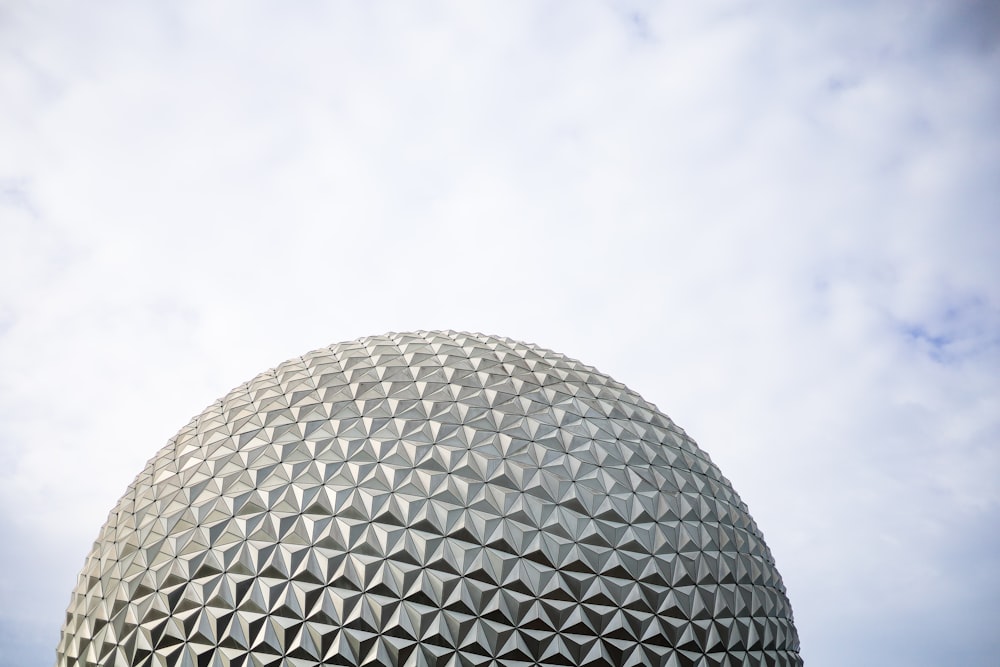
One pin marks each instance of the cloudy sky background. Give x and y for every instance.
(778, 221)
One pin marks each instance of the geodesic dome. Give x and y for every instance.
(430, 498)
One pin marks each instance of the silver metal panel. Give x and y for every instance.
(431, 498)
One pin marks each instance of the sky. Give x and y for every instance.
(777, 221)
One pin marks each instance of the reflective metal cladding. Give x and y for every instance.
(431, 498)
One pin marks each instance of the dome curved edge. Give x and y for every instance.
(415, 498)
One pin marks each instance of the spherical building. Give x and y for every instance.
(430, 499)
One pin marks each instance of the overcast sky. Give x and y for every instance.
(778, 221)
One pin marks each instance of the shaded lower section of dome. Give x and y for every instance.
(434, 498)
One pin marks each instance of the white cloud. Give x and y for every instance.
(778, 223)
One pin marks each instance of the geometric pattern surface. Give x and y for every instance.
(430, 498)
